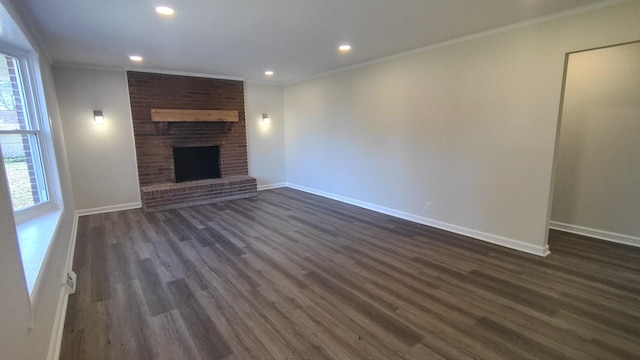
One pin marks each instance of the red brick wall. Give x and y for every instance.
(18, 112)
(154, 141)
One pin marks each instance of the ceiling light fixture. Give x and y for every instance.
(164, 10)
(268, 73)
(345, 48)
(136, 58)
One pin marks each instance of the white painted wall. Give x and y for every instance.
(470, 127)
(101, 158)
(17, 312)
(597, 184)
(265, 142)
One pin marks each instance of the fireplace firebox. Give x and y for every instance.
(196, 163)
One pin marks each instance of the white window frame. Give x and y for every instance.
(35, 109)
(41, 220)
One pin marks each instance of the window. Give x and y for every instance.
(21, 136)
(27, 157)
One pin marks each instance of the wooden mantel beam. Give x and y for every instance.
(168, 115)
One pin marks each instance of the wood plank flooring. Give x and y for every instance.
(289, 275)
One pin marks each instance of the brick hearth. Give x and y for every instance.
(155, 141)
(169, 196)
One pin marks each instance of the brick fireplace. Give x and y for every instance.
(155, 141)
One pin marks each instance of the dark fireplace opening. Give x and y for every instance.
(196, 163)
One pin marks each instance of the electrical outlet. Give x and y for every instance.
(429, 207)
(70, 283)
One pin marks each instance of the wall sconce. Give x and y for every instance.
(98, 118)
(266, 120)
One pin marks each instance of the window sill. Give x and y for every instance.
(35, 236)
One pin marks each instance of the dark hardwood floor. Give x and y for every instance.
(289, 275)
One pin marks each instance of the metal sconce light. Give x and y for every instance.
(98, 117)
(266, 119)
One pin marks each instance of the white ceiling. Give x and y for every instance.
(243, 38)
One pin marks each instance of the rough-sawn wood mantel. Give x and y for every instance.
(170, 115)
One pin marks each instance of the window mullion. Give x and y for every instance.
(20, 132)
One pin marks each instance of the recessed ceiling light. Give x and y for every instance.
(164, 10)
(344, 48)
(268, 73)
(136, 58)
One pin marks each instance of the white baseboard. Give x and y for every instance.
(595, 233)
(61, 312)
(111, 208)
(271, 186)
(58, 326)
(494, 239)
